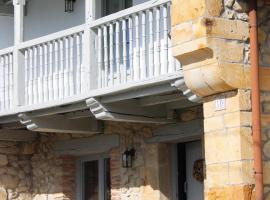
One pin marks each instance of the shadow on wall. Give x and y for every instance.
(33, 171)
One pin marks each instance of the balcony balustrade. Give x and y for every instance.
(130, 46)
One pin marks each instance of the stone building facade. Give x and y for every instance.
(211, 40)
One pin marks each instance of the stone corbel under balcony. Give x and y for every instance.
(61, 124)
(212, 52)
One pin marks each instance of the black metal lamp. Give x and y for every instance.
(69, 6)
(127, 158)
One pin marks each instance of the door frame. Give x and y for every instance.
(101, 174)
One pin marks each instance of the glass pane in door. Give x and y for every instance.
(91, 180)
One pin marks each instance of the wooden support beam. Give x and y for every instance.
(17, 135)
(178, 132)
(85, 146)
(60, 124)
(127, 111)
(161, 99)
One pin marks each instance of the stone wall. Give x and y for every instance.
(143, 180)
(15, 171)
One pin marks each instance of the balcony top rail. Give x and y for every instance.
(6, 51)
(51, 37)
(127, 12)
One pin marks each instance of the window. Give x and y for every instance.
(93, 178)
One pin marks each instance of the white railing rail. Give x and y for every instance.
(6, 79)
(133, 44)
(53, 66)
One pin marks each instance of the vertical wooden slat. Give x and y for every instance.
(51, 86)
(165, 40)
(61, 70)
(46, 78)
(5, 83)
(66, 71)
(56, 70)
(2, 84)
(117, 49)
(35, 87)
(157, 43)
(151, 44)
(41, 74)
(106, 57)
(137, 56)
(78, 68)
(11, 79)
(26, 57)
(111, 56)
(31, 78)
(143, 65)
(124, 29)
(100, 59)
(71, 65)
(130, 30)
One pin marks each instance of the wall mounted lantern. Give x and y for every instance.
(127, 158)
(69, 6)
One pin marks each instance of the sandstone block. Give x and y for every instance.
(3, 194)
(3, 160)
(9, 181)
(214, 178)
(213, 124)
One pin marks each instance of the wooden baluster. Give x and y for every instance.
(151, 44)
(35, 86)
(31, 77)
(130, 32)
(26, 57)
(157, 43)
(51, 86)
(11, 80)
(100, 59)
(124, 29)
(143, 64)
(66, 71)
(71, 65)
(78, 68)
(5, 83)
(41, 75)
(46, 78)
(61, 73)
(56, 70)
(117, 49)
(106, 57)
(2, 74)
(137, 56)
(111, 56)
(165, 39)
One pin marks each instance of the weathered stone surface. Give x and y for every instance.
(3, 194)
(231, 193)
(266, 149)
(3, 160)
(9, 181)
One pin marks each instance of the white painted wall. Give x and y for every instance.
(7, 31)
(48, 16)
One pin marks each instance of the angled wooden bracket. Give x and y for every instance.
(128, 111)
(60, 124)
(180, 85)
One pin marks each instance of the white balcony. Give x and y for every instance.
(125, 51)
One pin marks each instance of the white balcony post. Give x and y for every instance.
(91, 75)
(18, 57)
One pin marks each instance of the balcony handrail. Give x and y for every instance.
(6, 51)
(127, 12)
(52, 37)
